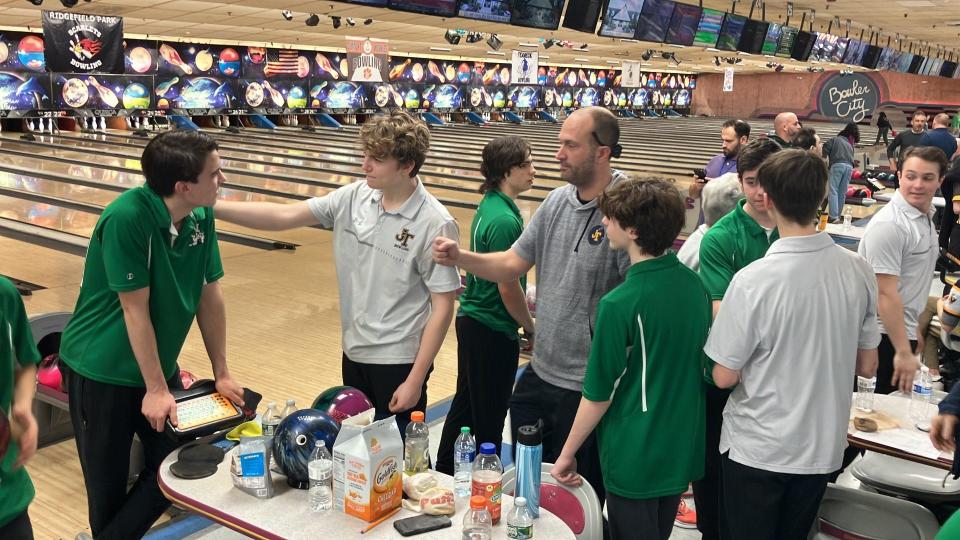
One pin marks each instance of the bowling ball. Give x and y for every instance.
(463, 73)
(294, 440)
(30, 53)
(297, 98)
(4, 52)
(187, 379)
(342, 402)
(136, 96)
(856, 174)
(75, 93)
(48, 372)
(229, 62)
(162, 103)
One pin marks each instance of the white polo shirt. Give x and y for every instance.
(791, 324)
(901, 241)
(385, 268)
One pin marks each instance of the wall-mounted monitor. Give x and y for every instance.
(823, 47)
(855, 51)
(582, 15)
(683, 25)
(485, 10)
(620, 19)
(948, 69)
(654, 20)
(542, 14)
(730, 32)
(709, 28)
(751, 39)
(841, 50)
(772, 39)
(803, 45)
(903, 65)
(442, 8)
(787, 38)
(915, 64)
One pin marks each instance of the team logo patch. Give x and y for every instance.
(402, 237)
(196, 237)
(596, 235)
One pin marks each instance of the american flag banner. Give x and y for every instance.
(281, 62)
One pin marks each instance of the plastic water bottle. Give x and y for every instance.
(529, 459)
(416, 445)
(464, 452)
(520, 520)
(270, 420)
(920, 396)
(320, 470)
(289, 409)
(488, 479)
(477, 524)
(847, 218)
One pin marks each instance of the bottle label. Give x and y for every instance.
(491, 491)
(464, 457)
(520, 532)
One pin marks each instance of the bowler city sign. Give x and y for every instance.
(848, 97)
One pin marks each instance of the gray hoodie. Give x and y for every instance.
(575, 268)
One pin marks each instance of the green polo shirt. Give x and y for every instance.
(17, 346)
(732, 243)
(646, 358)
(496, 226)
(133, 246)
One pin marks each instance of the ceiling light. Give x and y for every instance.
(547, 56)
(314, 20)
(528, 45)
(287, 14)
(581, 59)
(494, 42)
(585, 46)
(335, 20)
(646, 55)
(68, 3)
(368, 22)
(548, 43)
(496, 53)
(451, 37)
(445, 49)
(664, 55)
(474, 37)
(351, 22)
(716, 60)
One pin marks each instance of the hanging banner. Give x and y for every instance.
(631, 74)
(81, 43)
(728, 80)
(525, 67)
(368, 59)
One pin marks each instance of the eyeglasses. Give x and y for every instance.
(615, 149)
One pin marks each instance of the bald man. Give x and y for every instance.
(785, 126)
(567, 242)
(940, 136)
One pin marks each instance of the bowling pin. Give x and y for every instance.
(129, 122)
(296, 120)
(225, 120)
(217, 121)
(102, 124)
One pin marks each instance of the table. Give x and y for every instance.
(906, 442)
(285, 515)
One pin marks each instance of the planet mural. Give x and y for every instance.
(30, 53)
(297, 98)
(229, 62)
(140, 60)
(136, 96)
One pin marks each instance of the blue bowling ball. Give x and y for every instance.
(294, 442)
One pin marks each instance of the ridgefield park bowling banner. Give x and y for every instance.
(83, 43)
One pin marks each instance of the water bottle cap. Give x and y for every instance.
(924, 369)
(464, 429)
(416, 416)
(529, 436)
(319, 443)
(488, 448)
(520, 501)
(271, 404)
(291, 402)
(478, 501)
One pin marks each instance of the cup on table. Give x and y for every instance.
(865, 392)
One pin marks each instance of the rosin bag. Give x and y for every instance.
(367, 464)
(249, 467)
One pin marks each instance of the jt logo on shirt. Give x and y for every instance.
(402, 238)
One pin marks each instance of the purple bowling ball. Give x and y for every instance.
(342, 402)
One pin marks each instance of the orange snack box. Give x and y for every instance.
(367, 468)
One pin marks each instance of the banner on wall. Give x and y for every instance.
(368, 59)
(631, 74)
(82, 43)
(728, 80)
(524, 68)
(851, 97)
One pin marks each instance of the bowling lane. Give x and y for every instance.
(77, 222)
(275, 182)
(41, 265)
(89, 195)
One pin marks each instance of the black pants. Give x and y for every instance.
(105, 417)
(948, 219)
(19, 528)
(708, 491)
(885, 354)
(641, 518)
(882, 132)
(765, 505)
(486, 367)
(379, 382)
(535, 399)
